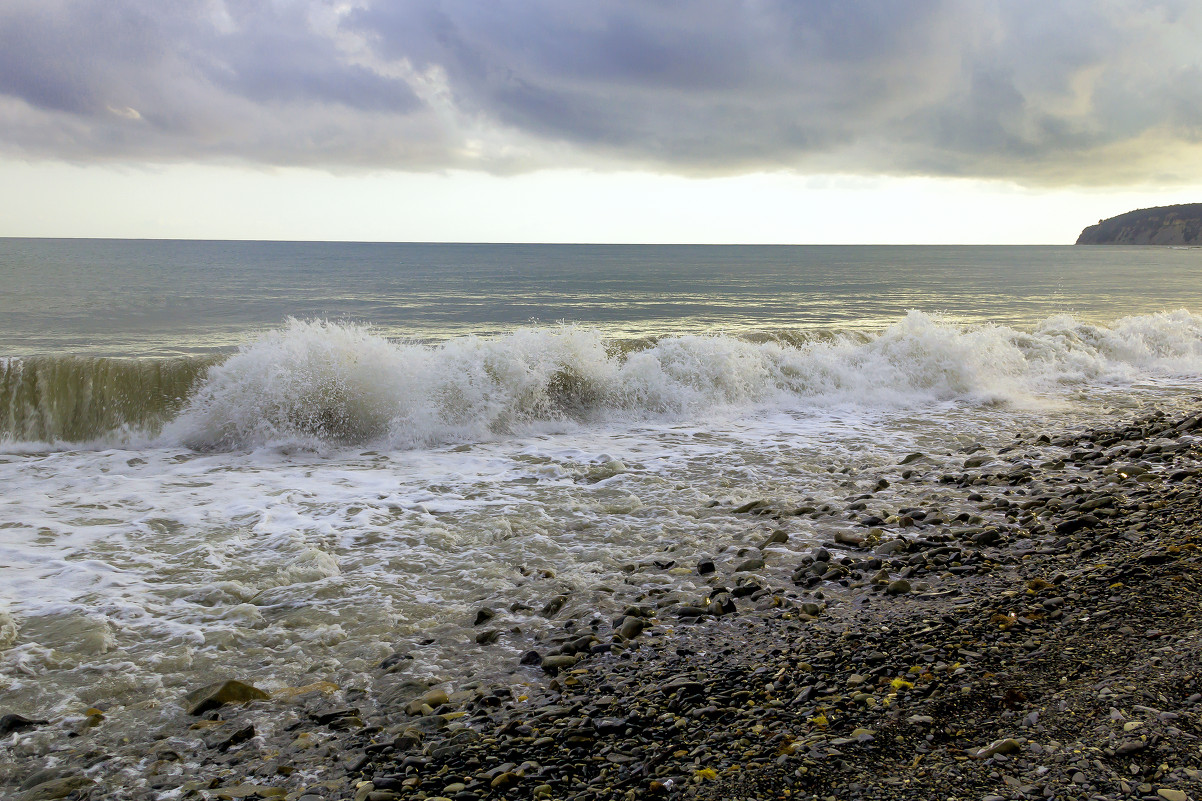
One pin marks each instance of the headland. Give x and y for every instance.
(1179, 225)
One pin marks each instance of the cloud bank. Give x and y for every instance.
(1085, 92)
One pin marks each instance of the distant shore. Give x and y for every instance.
(1179, 225)
(1045, 646)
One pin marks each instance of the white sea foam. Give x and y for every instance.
(8, 627)
(315, 383)
(312, 565)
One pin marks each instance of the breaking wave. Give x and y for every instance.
(319, 383)
(77, 399)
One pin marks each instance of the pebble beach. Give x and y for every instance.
(1042, 642)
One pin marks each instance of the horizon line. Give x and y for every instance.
(541, 243)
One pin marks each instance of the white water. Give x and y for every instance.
(322, 383)
(327, 496)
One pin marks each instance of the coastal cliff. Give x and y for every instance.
(1163, 225)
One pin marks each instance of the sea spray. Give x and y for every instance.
(310, 380)
(327, 383)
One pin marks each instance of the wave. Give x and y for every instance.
(78, 399)
(318, 383)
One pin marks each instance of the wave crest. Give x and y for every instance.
(321, 382)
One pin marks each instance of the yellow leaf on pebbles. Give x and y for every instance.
(706, 773)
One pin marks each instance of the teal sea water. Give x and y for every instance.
(167, 298)
(287, 461)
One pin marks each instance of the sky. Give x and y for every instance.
(793, 121)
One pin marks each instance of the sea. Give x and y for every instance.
(287, 462)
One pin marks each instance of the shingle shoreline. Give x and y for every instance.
(1056, 653)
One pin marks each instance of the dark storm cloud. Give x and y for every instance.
(706, 83)
(1041, 92)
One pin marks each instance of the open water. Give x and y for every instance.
(285, 462)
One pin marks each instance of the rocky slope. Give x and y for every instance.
(1163, 225)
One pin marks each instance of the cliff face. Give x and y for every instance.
(1163, 225)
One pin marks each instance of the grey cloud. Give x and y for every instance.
(57, 57)
(712, 86)
(273, 56)
(196, 79)
(1033, 91)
